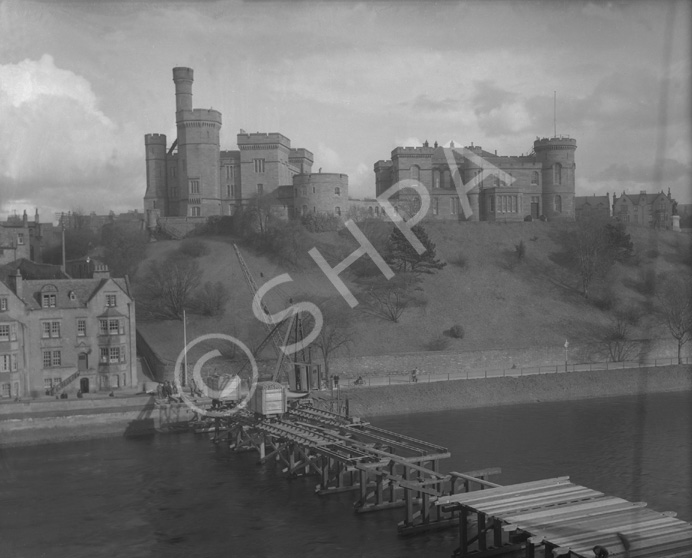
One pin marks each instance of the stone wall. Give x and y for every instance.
(442, 362)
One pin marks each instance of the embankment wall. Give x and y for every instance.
(57, 421)
(442, 362)
(488, 392)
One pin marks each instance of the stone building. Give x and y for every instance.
(24, 238)
(543, 180)
(52, 329)
(592, 205)
(193, 177)
(654, 210)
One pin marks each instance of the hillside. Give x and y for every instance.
(499, 301)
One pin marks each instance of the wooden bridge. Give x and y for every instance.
(554, 517)
(385, 470)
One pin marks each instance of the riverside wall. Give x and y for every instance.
(443, 362)
(43, 422)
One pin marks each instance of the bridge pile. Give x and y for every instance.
(386, 470)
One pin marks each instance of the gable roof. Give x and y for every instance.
(70, 293)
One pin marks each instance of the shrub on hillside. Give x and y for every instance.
(193, 247)
(460, 261)
(457, 331)
(211, 299)
(320, 222)
(528, 218)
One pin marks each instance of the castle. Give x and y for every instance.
(543, 181)
(194, 178)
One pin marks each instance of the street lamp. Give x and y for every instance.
(566, 347)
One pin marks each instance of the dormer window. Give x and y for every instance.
(111, 300)
(72, 295)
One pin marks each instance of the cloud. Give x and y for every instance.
(55, 142)
(424, 103)
(499, 112)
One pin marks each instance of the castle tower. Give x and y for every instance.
(556, 156)
(183, 78)
(155, 196)
(198, 151)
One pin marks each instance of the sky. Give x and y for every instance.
(81, 82)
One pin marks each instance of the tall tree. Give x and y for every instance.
(123, 248)
(338, 330)
(403, 257)
(675, 310)
(168, 285)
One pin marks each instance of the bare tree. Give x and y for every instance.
(675, 310)
(337, 333)
(390, 299)
(617, 341)
(168, 285)
(211, 299)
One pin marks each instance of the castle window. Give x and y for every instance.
(558, 203)
(414, 172)
(48, 300)
(194, 186)
(454, 208)
(337, 210)
(377, 211)
(195, 211)
(436, 178)
(446, 179)
(229, 191)
(81, 328)
(111, 300)
(313, 189)
(436, 205)
(3, 304)
(259, 165)
(20, 238)
(534, 178)
(557, 173)
(337, 191)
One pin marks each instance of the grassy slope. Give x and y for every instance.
(498, 302)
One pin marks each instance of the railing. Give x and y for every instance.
(397, 378)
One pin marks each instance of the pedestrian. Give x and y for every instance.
(414, 375)
(336, 380)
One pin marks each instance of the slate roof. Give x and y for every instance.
(83, 289)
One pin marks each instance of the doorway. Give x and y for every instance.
(84, 385)
(82, 362)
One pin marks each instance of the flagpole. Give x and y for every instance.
(185, 353)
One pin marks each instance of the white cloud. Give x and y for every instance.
(55, 143)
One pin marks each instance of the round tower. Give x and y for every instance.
(183, 78)
(556, 156)
(155, 196)
(321, 193)
(199, 152)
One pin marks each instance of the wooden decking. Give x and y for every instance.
(555, 517)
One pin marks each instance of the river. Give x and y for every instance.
(180, 496)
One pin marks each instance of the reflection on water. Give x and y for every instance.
(178, 495)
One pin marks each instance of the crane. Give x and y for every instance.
(273, 332)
